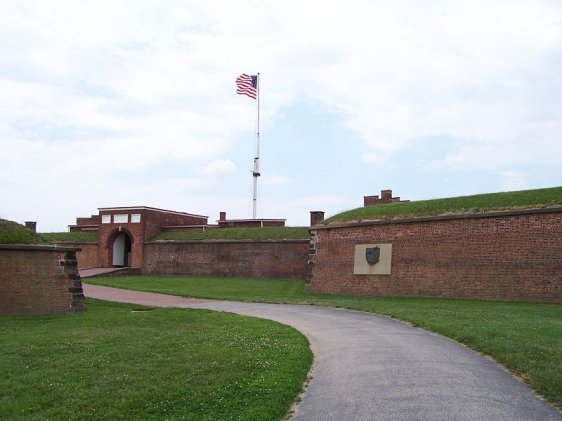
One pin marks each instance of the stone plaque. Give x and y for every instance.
(121, 218)
(372, 259)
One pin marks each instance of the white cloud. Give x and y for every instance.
(218, 168)
(104, 92)
(417, 74)
(513, 180)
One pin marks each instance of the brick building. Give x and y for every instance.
(385, 197)
(248, 223)
(123, 231)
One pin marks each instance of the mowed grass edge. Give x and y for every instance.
(524, 337)
(120, 361)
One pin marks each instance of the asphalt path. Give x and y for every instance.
(369, 367)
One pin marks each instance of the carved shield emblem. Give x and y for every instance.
(373, 255)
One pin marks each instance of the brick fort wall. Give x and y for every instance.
(282, 259)
(87, 257)
(512, 255)
(39, 279)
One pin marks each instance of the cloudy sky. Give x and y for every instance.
(126, 103)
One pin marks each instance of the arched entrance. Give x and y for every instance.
(120, 246)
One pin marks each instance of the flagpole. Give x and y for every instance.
(256, 171)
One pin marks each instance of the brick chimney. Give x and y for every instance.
(316, 217)
(222, 216)
(32, 225)
(386, 197)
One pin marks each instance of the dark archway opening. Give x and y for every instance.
(121, 250)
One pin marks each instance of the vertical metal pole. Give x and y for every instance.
(256, 171)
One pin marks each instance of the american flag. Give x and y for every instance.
(247, 85)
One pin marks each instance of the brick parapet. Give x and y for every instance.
(39, 279)
(283, 259)
(505, 255)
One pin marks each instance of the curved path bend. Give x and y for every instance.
(368, 367)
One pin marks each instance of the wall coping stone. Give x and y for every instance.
(441, 217)
(37, 247)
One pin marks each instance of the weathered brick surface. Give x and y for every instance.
(257, 259)
(33, 280)
(92, 220)
(386, 197)
(88, 256)
(151, 221)
(506, 256)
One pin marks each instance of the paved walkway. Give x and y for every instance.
(88, 273)
(369, 367)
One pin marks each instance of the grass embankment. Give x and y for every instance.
(477, 203)
(524, 337)
(14, 233)
(115, 363)
(70, 237)
(266, 233)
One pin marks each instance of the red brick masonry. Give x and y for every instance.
(511, 255)
(87, 254)
(39, 279)
(150, 221)
(283, 259)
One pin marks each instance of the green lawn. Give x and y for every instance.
(118, 361)
(524, 337)
(476, 203)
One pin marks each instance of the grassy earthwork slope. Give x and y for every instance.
(70, 237)
(267, 233)
(14, 233)
(524, 199)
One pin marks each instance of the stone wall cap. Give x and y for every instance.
(37, 247)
